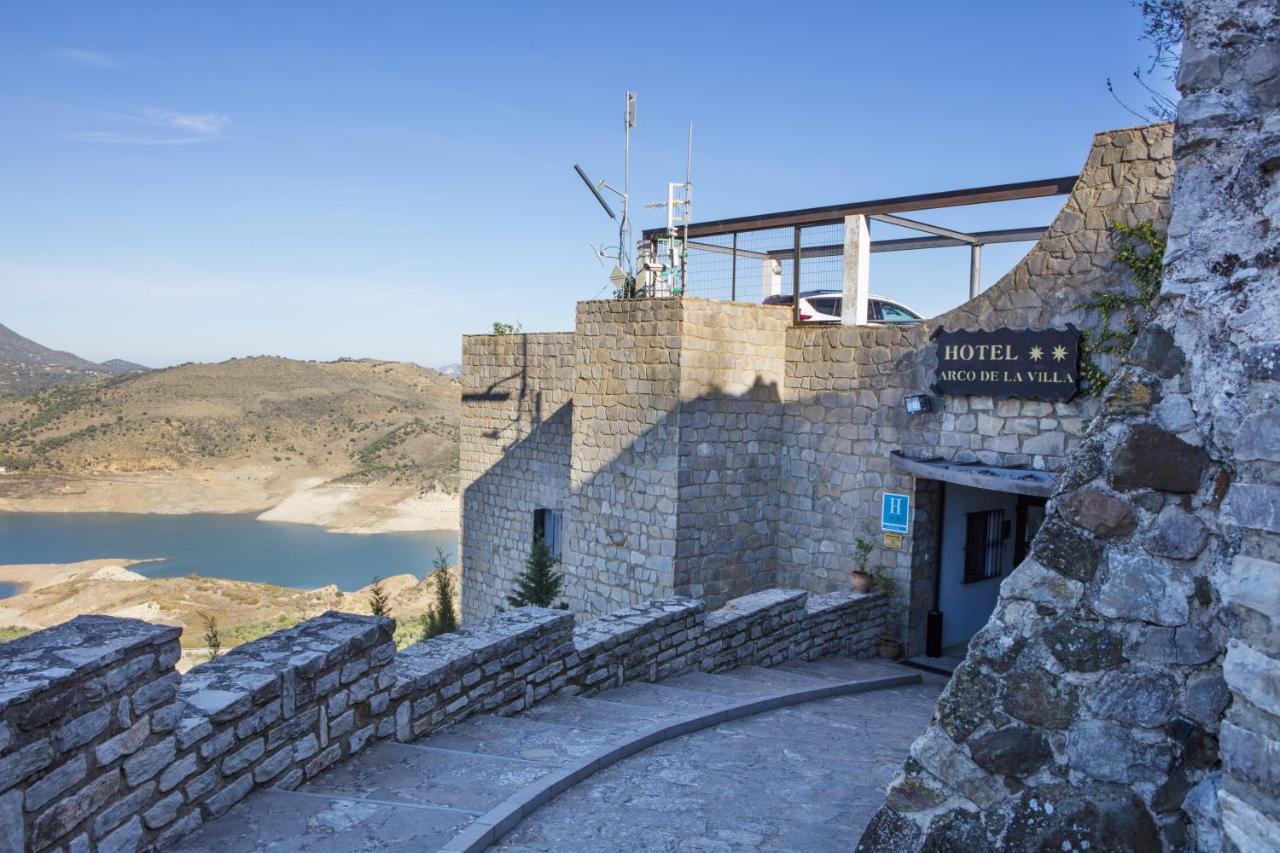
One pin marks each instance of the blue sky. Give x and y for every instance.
(196, 181)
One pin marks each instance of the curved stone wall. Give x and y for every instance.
(845, 384)
(1090, 709)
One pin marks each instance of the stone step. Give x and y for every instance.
(781, 679)
(665, 696)
(288, 820)
(578, 712)
(520, 737)
(407, 774)
(723, 684)
(844, 669)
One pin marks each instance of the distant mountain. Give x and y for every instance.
(27, 366)
(120, 366)
(358, 422)
(453, 371)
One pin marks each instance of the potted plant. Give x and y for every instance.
(860, 579)
(889, 647)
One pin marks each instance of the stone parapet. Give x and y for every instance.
(103, 743)
(502, 665)
(88, 712)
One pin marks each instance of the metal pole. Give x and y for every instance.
(733, 276)
(795, 282)
(975, 269)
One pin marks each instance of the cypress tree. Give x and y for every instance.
(444, 617)
(379, 601)
(539, 584)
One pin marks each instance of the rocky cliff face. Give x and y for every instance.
(1123, 694)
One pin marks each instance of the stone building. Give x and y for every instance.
(712, 448)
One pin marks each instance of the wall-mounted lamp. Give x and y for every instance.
(917, 403)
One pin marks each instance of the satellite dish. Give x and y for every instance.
(595, 192)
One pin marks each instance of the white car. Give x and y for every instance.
(824, 306)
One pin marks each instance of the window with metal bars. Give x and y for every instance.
(985, 535)
(548, 526)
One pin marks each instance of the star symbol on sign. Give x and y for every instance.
(1036, 353)
(1059, 353)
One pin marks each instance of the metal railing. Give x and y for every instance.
(749, 258)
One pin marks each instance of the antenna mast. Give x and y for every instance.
(624, 230)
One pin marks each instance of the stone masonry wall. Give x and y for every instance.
(513, 455)
(1090, 709)
(86, 710)
(732, 367)
(845, 385)
(620, 541)
(104, 746)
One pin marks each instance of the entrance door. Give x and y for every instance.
(1030, 517)
(982, 535)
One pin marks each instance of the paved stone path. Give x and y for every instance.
(804, 777)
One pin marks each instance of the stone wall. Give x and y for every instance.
(104, 746)
(845, 386)
(86, 711)
(1090, 709)
(732, 367)
(513, 455)
(620, 540)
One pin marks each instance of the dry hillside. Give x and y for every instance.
(256, 429)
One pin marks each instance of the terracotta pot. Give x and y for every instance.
(861, 581)
(890, 649)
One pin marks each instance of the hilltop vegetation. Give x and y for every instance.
(278, 423)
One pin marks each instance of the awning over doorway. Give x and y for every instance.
(1019, 481)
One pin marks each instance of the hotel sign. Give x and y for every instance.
(1008, 363)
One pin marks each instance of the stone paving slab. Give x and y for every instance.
(281, 821)
(594, 714)
(664, 696)
(521, 737)
(405, 774)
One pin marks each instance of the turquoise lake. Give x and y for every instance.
(236, 547)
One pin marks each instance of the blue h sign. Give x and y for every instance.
(894, 511)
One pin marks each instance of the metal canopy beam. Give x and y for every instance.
(899, 204)
(1003, 235)
(729, 250)
(903, 222)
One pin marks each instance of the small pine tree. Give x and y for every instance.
(539, 584)
(379, 601)
(443, 617)
(212, 634)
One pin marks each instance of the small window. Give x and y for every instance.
(548, 525)
(985, 535)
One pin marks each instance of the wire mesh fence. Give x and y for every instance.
(748, 266)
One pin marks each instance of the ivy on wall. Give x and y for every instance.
(1142, 253)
